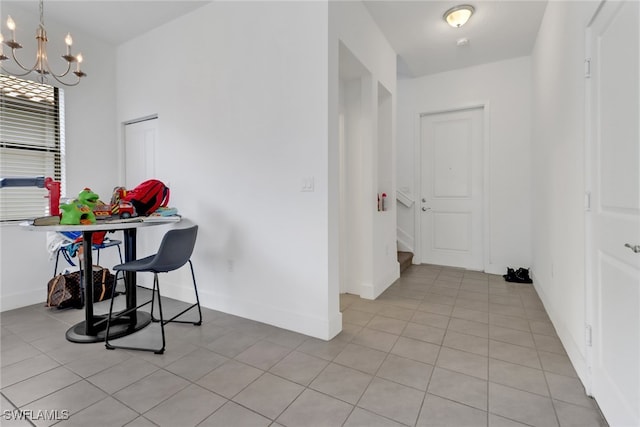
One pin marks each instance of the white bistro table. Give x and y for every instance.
(93, 328)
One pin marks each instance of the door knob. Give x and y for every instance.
(635, 248)
(428, 209)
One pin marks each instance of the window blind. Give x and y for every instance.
(31, 144)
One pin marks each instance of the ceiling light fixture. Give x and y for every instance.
(41, 66)
(459, 15)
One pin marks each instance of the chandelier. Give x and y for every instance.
(41, 65)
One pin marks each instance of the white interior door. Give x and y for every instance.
(140, 151)
(140, 139)
(450, 206)
(615, 216)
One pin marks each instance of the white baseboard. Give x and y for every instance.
(298, 322)
(303, 323)
(495, 269)
(573, 348)
(23, 299)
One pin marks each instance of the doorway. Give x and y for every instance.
(140, 143)
(140, 138)
(450, 208)
(355, 151)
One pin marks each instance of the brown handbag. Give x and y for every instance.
(66, 290)
(63, 291)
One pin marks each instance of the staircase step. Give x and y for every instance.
(405, 259)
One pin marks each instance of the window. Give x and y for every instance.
(31, 143)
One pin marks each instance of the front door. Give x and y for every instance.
(450, 205)
(615, 213)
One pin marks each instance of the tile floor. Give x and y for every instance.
(441, 347)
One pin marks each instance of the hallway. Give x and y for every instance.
(441, 347)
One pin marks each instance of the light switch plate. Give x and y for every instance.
(308, 184)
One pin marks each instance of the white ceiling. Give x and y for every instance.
(424, 42)
(113, 21)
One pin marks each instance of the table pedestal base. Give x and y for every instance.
(77, 333)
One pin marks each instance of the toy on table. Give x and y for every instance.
(41, 182)
(80, 210)
(149, 198)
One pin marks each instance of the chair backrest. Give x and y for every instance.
(176, 249)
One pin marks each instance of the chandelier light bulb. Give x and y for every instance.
(12, 26)
(69, 41)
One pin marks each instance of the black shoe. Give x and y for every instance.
(510, 276)
(522, 276)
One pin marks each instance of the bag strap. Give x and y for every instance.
(165, 201)
(52, 289)
(104, 288)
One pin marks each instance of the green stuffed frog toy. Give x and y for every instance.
(80, 210)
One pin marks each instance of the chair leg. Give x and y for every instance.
(120, 256)
(98, 255)
(197, 304)
(153, 298)
(113, 296)
(156, 288)
(195, 289)
(55, 268)
(65, 253)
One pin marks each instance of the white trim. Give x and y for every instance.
(417, 185)
(486, 191)
(303, 323)
(587, 378)
(404, 198)
(141, 119)
(572, 347)
(486, 187)
(22, 299)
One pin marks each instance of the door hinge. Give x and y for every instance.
(587, 335)
(587, 201)
(587, 68)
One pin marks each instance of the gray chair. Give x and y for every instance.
(174, 252)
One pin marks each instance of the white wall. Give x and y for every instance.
(240, 89)
(241, 92)
(558, 160)
(357, 186)
(371, 237)
(504, 88)
(91, 150)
